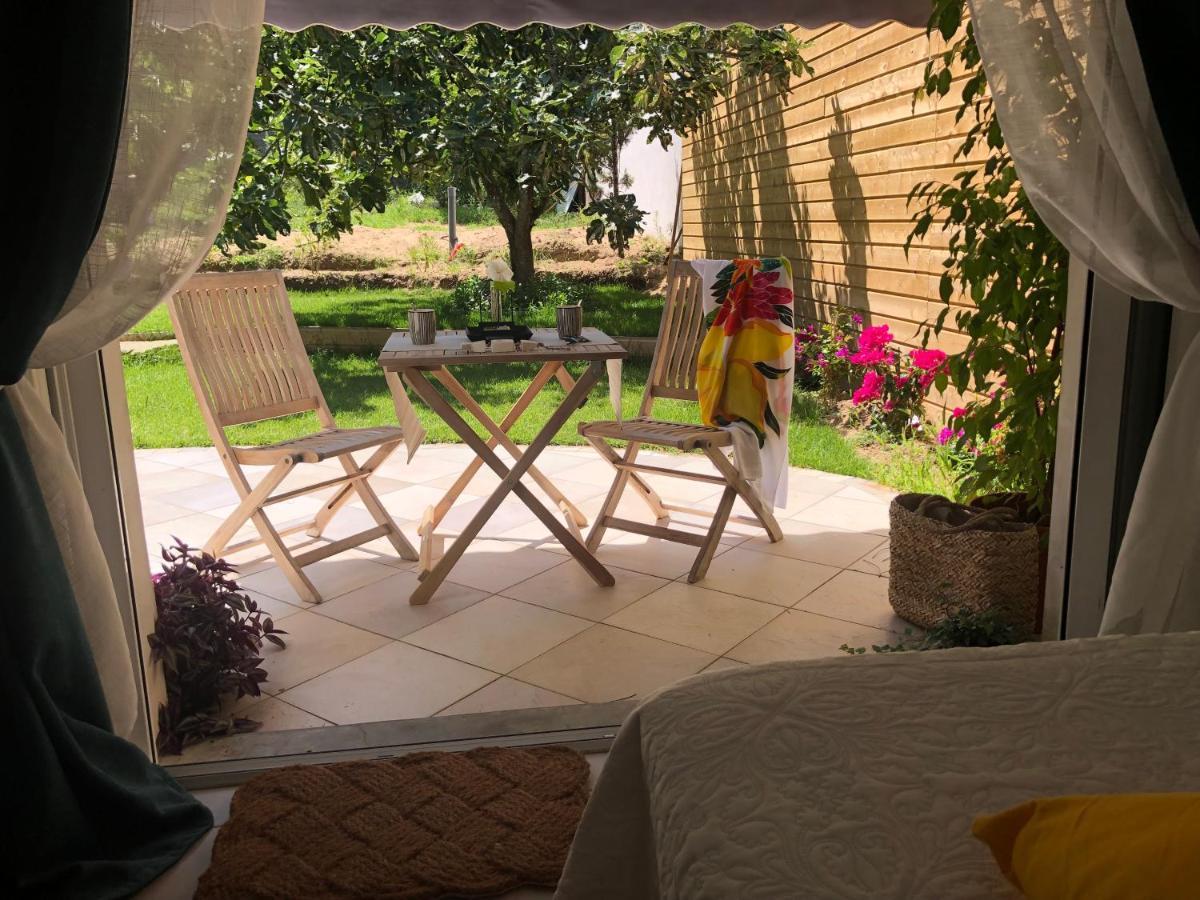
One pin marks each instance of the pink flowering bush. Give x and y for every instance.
(885, 384)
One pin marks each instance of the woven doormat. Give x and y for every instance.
(429, 825)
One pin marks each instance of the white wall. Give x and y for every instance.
(655, 175)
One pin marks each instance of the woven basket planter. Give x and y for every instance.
(945, 556)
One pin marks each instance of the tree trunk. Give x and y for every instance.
(520, 246)
(518, 228)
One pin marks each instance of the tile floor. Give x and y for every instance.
(519, 624)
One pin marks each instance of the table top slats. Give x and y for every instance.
(400, 353)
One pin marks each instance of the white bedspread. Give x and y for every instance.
(859, 777)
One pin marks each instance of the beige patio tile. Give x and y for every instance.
(650, 556)
(382, 606)
(760, 576)
(412, 501)
(512, 513)
(146, 464)
(397, 681)
(481, 484)
(724, 663)
(569, 589)
(594, 471)
(605, 663)
(855, 597)
(816, 543)
(174, 478)
(277, 715)
(852, 515)
(276, 609)
(185, 456)
(430, 463)
(315, 645)
(273, 714)
(700, 494)
(803, 635)
(695, 617)
(193, 529)
(497, 633)
(351, 520)
(814, 482)
(205, 497)
(296, 510)
(868, 491)
(492, 565)
(332, 577)
(507, 694)
(155, 511)
(877, 562)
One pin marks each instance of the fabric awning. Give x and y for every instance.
(347, 15)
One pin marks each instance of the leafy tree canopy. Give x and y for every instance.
(511, 117)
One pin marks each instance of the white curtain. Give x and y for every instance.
(346, 15)
(191, 80)
(1072, 100)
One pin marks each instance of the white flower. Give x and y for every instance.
(498, 270)
(416, 198)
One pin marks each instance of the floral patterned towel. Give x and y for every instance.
(746, 367)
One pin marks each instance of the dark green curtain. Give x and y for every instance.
(87, 814)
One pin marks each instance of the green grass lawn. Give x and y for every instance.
(400, 212)
(164, 412)
(613, 308)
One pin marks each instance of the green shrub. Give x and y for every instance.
(537, 298)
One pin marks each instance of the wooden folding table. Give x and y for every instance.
(402, 361)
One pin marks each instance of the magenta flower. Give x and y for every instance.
(927, 360)
(870, 389)
(876, 337)
(842, 352)
(872, 356)
(958, 412)
(856, 318)
(945, 435)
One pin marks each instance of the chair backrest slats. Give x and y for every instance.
(680, 333)
(242, 347)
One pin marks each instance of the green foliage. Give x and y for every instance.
(962, 627)
(426, 251)
(510, 117)
(1013, 269)
(530, 303)
(616, 218)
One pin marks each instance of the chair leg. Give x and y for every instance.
(343, 494)
(251, 502)
(395, 536)
(300, 582)
(640, 486)
(760, 508)
(596, 534)
(713, 537)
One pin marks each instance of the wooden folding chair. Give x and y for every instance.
(673, 376)
(246, 363)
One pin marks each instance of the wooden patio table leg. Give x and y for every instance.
(500, 435)
(510, 480)
(431, 543)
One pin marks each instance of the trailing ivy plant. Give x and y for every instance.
(207, 635)
(1002, 256)
(961, 627)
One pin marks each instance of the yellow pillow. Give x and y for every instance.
(1099, 847)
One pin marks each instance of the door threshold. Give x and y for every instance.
(589, 728)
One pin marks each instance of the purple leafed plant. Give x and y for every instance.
(207, 636)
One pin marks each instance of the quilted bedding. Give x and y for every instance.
(860, 777)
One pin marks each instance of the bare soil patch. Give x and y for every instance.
(417, 255)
